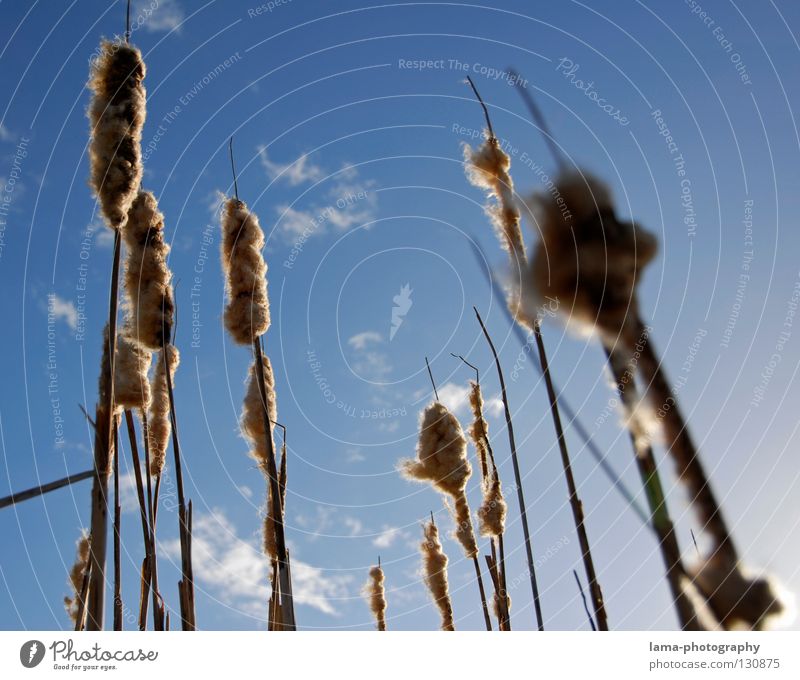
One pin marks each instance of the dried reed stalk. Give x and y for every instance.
(117, 535)
(434, 563)
(42, 489)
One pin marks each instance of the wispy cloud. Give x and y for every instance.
(235, 570)
(156, 17)
(456, 398)
(297, 172)
(5, 134)
(360, 340)
(62, 310)
(388, 537)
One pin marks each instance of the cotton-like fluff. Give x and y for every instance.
(159, 425)
(147, 275)
(479, 429)
(442, 460)
(117, 115)
(434, 565)
(247, 312)
(737, 601)
(131, 384)
(488, 168)
(72, 602)
(587, 259)
(376, 596)
(253, 413)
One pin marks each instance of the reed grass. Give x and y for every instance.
(376, 595)
(434, 564)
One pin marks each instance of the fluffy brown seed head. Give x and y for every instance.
(376, 596)
(736, 600)
(434, 564)
(587, 259)
(247, 312)
(117, 114)
(72, 602)
(148, 280)
(159, 424)
(131, 384)
(442, 460)
(488, 168)
(269, 540)
(493, 510)
(479, 429)
(253, 413)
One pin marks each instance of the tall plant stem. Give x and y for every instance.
(117, 537)
(80, 619)
(36, 491)
(287, 606)
(654, 490)
(574, 501)
(152, 502)
(102, 457)
(186, 585)
(486, 618)
(517, 476)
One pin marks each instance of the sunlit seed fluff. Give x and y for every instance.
(117, 115)
(269, 540)
(737, 600)
(434, 566)
(132, 364)
(247, 311)
(376, 596)
(479, 429)
(442, 460)
(76, 574)
(488, 168)
(587, 259)
(159, 426)
(253, 413)
(148, 280)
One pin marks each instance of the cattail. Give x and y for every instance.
(488, 168)
(253, 413)
(147, 276)
(76, 576)
(493, 510)
(376, 595)
(104, 389)
(159, 427)
(117, 114)
(247, 313)
(434, 563)
(442, 460)
(131, 386)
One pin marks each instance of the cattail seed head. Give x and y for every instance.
(587, 259)
(479, 429)
(434, 564)
(72, 602)
(442, 460)
(247, 312)
(148, 280)
(117, 115)
(159, 424)
(132, 364)
(253, 413)
(376, 596)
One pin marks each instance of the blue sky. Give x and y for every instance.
(351, 155)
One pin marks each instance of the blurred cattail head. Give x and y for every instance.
(247, 312)
(442, 460)
(737, 600)
(147, 275)
(434, 565)
(72, 602)
(159, 426)
(487, 168)
(587, 258)
(253, 413)
(131, 366)
(376, 596)
(117, 114)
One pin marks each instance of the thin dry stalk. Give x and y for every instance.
(117, 536)
(37, 491)
(583, 598)
(434, 563)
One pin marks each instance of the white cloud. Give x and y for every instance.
(360, 340)
(5, 134)
(62, 310)
(235, 570)
(372, 366)
(387, 537)
(456, 398)
(104, 238)
(295, 173)
(164, 15)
